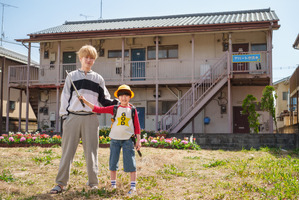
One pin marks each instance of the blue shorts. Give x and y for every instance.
(129, 162)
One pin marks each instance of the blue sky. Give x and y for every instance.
(35, 15)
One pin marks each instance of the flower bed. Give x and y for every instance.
(170, 143)
(44, 140)
(29, 139)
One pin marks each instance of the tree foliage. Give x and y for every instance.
(267, 102)
(248, 106)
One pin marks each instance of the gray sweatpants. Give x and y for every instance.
(74, 128)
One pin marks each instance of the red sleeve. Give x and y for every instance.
(108, 109)
(136, 123)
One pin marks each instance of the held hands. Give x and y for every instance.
(81, 98)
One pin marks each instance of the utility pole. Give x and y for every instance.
(2, 26)
(101, 11)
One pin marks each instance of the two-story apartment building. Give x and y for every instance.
(189, 73)
(13, 100)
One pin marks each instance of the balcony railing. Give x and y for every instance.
(149, 71)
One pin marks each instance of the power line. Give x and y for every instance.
(16, 43)
(2, 26)
(286, 67)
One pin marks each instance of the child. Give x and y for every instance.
(122, 130)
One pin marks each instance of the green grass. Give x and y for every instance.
(264, 173)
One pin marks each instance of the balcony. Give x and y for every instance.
(168, 71)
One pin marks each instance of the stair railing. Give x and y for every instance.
(195, 94)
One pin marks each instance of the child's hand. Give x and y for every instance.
(81, 98)
(138, 145)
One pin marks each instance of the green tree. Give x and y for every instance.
(267, 102)
(248, 107)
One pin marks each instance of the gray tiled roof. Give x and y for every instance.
(260, 15)
(15, 56)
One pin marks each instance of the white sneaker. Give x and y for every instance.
(132, 192)
(113, 187)
(94, 187)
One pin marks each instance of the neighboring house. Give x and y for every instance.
(13, 100)
(282, 109)
(296, 43)
(294, 95)
(190, 73)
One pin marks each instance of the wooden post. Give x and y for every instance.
(20, 110)
(1, 93)
(27, 86)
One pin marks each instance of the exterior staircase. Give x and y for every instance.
(196, 97)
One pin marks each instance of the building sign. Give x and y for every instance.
(246, 58)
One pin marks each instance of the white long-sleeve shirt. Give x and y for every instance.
(90, 85)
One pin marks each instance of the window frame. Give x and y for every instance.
(166, 48)
(127, 53)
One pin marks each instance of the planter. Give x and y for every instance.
(104, 145)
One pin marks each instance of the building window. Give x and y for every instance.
(258, 47)
(164, 107)
(285, 96)
(117, 53)
(12, 105)
(165, 52)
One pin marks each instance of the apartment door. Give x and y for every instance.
(240, 121)
(138, 64)
(240, 49)
(69, 62)
(141, 116)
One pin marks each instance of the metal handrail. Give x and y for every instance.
(193, 96)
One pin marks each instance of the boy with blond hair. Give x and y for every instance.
(79, 121)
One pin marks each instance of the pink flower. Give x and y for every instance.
(168, 141)
(154, 141)
(22, 139)
(184, 142)
(143, 140)
(11, 139)
(34, 138)
(1, 137)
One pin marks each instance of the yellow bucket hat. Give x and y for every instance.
(123, 87)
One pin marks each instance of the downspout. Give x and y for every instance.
(157, 85)
(27, 85)
(7, 103)
(122, 59)
(57, 88)
(229, 91)
(20, 111)
(193, 70)
(270, 72)
(1, 94)
(193, 74)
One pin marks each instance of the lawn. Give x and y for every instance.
(29, 173)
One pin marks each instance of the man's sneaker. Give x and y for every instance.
(113, 187)
(94, 187)
(132, 192)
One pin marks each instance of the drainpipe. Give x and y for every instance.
(7, 103)
(229, 90)
(1, 94)
(27, 85)
(157, 85)
(57, 88)
(20, 110)
(270, 73)
(122, 59)
(193, 70)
